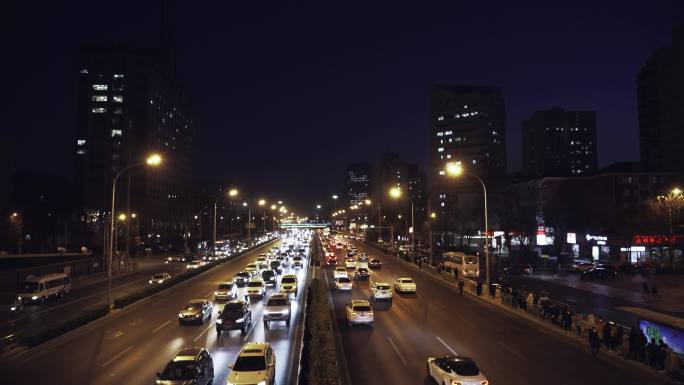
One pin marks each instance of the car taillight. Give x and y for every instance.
(484, 382)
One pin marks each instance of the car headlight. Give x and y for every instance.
(150, 281)
(19, 298)
(180, 315)
(216, 293)
(240, 320)
(34, 297)
(219, 321)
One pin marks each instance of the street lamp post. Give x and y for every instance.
(231, 193)
(395, 193)
(456, 170)
(153, 160)
(249, 221)
(673, 198)
(262, 203)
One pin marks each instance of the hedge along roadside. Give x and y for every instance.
(49, 332)
(128, 299)
(319, 357)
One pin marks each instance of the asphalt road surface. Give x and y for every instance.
(131, 348)
(55, 310)
(438, 321)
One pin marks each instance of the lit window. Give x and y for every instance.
(80, 151)
(441, 141)
(116, 133)
(440, 133)
(448, 132)
(465, 107)
(100, 87)
(99, 110)
(117, 98)
(118, 111)
(442, 204)
(441, 149)
(457, 116)
(495, 133)
(448, 156)
(99, 98)
(118, 76)
(442, 172)
(440, 118)
(81, 142)
(84, 71)
(474, 161)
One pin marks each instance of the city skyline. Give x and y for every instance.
(227, 104)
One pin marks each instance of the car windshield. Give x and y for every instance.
(344, 279)
(382, 287)
(158, 276)
(462, 368)
(471, 260)
(277, 302)
(225, 286)
(242, 274)
(249, 364)
(288, 280)
(29, 287)
(362, 271)
(254, 284)
(233, 309)
(275, 264)
(362, 308)
(193, 306)
(179, 370)
(375, 260)
(251, 266)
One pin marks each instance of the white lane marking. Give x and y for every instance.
(250, 329)
(160, 326)
(203, 332)
(510, 349)
(465, 321)
(117, 356)
(446, 346)
(397, 350)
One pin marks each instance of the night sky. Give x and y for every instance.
(287, 95)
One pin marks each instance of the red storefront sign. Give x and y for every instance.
(641, 239)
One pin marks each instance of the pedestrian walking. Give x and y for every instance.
(460, 286)
(654, 291)
(607, 336)
(594, 342)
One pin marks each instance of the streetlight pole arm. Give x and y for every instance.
(486, 224)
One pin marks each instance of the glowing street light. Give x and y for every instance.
(454, 169)
(367, 202)
(233, 192)
(122, 217)
(153, 160)
(395, 192)
(262, 202)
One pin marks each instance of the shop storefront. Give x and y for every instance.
(653, 249)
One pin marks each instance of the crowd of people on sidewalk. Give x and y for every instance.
(630, 343)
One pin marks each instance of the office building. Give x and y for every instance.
(556, 142)
(467, 127)
(660, 91)
(130, 105)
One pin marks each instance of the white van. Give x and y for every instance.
(42, 287)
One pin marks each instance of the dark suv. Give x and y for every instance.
(236, 315)
(269, 277)
(189, 366)
(276, 266)
(242, 278)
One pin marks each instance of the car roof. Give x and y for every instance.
(187, 354)
(381, 283)
(290, 275)
(254, 349)
(361, 302)
(279, 295)
(403, 278)
(256, 279)
(457, 358)
(196, 300)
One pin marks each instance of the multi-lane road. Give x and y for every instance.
(131, 346)
(438, 321)
(82, 298)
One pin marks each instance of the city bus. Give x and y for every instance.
(40, 288)
(467, 266)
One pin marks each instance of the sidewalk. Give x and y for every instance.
(628, 288)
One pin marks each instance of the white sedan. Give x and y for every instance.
(350, 263)
(455, 370)
(343, 284)
(405, 285)
(340, 272)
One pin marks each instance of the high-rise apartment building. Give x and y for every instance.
(467, 127)
(129, 105)
(556, 142)
(358, 182)
(660, 96)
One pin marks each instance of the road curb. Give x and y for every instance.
(22, 353)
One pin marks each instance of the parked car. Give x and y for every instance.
(521, 269)
(599, 272)
(580, 267)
